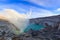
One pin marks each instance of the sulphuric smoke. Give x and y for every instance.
(20, 21)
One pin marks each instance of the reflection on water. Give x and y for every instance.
(34, 27)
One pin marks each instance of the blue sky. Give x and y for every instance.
(37, 8)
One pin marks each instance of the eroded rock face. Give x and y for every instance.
(19, 20)
(6, 32)
(48, 33)
(12, 23)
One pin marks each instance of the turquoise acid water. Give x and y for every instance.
(34, 27)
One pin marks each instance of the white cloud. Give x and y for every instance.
(20, 8)
(42, 13)
(46, 3)
(57, 11)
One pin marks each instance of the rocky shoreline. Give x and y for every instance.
(51, 32)
(48, 33)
